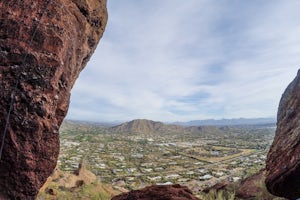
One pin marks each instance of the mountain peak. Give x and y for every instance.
(139, 126)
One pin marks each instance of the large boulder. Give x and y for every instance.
(44, 44)
(159, 192)
(283, 161)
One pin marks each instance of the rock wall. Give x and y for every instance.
(44, 44)
(283, 161)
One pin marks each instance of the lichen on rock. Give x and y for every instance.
(43, 46)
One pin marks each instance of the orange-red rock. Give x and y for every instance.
(44, 44)
(158, 192)
(283, 161)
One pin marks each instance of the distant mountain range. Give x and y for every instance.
(228, 122)
(206, 122)
(149, 127)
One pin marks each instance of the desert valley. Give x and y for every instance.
(140, 153)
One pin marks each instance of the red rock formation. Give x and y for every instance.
(44, 44)
(283, 162)
(252, 187)
(168, 192)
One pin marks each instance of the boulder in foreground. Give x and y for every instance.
(159, 192)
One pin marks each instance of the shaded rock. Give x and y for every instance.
(251, 186)
(283, 161)
(166, 192)
(44, 69)
(254, 187)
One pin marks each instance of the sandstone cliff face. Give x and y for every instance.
(66, 33)
(283, 162)
(168, 192)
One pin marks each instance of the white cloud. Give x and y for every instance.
(174, 60)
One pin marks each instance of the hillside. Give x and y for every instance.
(144, 126)
(81, 184)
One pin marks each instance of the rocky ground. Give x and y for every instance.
(81, 184)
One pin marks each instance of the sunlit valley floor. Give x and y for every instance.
(143, 152)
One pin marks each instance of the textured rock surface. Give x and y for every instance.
(283, 162)
(64, 40)
(252, 187)
(81, 184)
(169, 192)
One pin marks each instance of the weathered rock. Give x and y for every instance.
(156, 192)
(44, 44)
(252, 187)
(283, 162)
(68, 185)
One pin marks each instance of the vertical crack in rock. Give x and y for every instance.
(66, 36)
(283, 161)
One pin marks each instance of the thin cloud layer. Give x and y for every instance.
(174, 60)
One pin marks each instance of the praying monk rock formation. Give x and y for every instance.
(283, 161)
(44, 44)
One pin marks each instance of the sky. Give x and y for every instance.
(174, 60)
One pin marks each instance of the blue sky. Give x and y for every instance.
(174, 60)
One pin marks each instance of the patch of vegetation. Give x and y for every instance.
(217, 195)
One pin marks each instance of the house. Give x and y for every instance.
(166, 183)
(131, 170)
(172, 176)
(156, 178)
(202, 171)
(205, 177)
(218, 174)
(215, 153)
